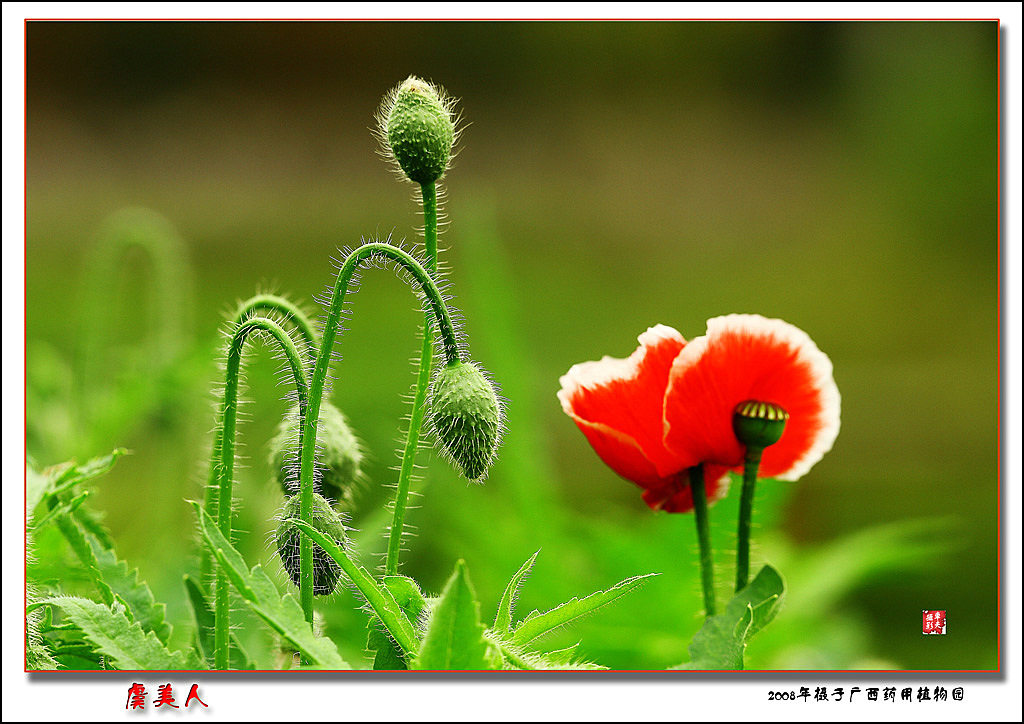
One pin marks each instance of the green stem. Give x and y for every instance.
(226, 454)
(750, 465)
(700, 512)
(316, 388)
(249, 308)
(379, 597)
(412, 440)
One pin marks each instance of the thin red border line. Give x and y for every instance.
(510, 19)
(998, 525)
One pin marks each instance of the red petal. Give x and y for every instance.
(618, 403)
(748, 357)
(621, 453)
(675, 497)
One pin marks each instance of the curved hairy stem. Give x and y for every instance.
(253, 306)
(412, 440)
(226, 454)
(439, 313)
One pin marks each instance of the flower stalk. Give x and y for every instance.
(429, 193)
(756, 425)
(257, 305)
(700, 513)
(438, 313)
(225, 453)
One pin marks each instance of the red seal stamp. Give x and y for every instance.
(933, 622)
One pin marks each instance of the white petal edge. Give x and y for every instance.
(588, 375)
(807, 352)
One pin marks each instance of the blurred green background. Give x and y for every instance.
(841, 176)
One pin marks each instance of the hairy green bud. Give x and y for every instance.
(326, 573)
(466, 417)
(341, 458)
(417, 128)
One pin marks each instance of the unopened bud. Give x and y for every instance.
(326, 573)
(417, 125)
(340, 460)
(466, 417)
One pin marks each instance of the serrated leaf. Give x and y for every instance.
(503, 618)
(455, 637)
(122, 641)
(136, 594)
(281, 613)
(381, 600)
(538, 624)
(92, 523)
(71, 531)
(515, 657)
(722, 640)
(204, 620)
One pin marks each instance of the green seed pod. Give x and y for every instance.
(341, 458)
(326, 573)
(466, 417)
(416, 124)
(758, 424)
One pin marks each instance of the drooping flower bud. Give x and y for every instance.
(326, 573)
(758, 424)
(340, 462)
(417, 128)
(466, 417)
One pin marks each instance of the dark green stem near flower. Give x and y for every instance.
(751, 462)
(757, 424)
(251, 307)
(700, 513)
(439, 313)
(226, 454)
(429, 192)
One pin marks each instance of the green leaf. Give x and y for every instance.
(50, 487)
(60, 478)
(389, 656)
(122, 641)
(112, 577)
(126, 585)
(282, 613)
(37, 655)
(381, 600)
(80, 545)
(503, 618)
(722, 640)
(516, 657)
(538, 624)
(203, 616)
(455, 637)
(62, 509)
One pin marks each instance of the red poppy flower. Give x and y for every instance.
(669, 405)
